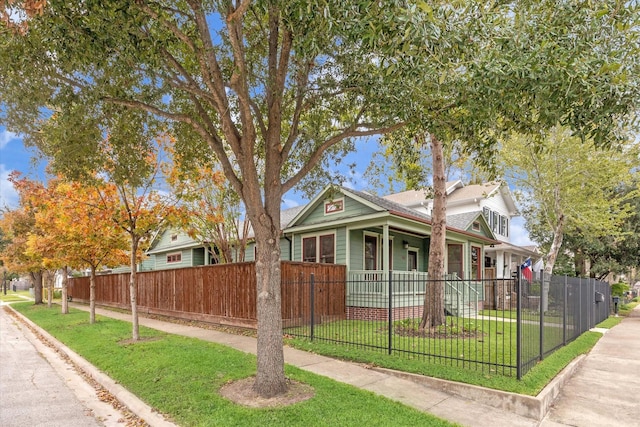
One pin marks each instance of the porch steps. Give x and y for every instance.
(460, 299)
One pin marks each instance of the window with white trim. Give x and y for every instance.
(412, 260)
(370, 252)
(476, 258)
(333, 206)
(504, 226)
(319, 248)
(175, 257)
(499, 224)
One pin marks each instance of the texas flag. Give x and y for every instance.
(527, 273)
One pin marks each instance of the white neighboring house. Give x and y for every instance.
(464, 202)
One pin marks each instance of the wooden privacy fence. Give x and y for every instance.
(223, 294)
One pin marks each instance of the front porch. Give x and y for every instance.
(371, 293)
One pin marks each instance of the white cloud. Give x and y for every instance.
(6, 137)
(519, 234)
(8, 195)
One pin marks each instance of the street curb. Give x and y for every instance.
(125, 397)
(534, 407)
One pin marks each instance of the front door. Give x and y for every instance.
(454, 260)
(412, 260)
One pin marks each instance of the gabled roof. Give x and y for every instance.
(474, 191)
(287, 215)
(391, 206)
(463, 220)
(418, 197)
(457, 193)
(375, 203)
(380, 204)
(286, 218)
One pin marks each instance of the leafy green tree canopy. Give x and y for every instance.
(273, 87)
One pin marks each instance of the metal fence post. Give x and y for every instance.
(564, 311)
(312, 302)
(390, 311)
(580, 329)
(593, 304)
(543, 300)
(519, 324)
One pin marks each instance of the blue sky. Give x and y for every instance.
(14, 156)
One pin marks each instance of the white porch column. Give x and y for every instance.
(385, 249)
(500, 264)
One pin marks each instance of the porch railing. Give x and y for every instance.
(461, 298)
(372, 282)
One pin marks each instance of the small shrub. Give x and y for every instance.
(618, 289)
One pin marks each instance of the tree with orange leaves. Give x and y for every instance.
(141, 211)
(19, 225)
(77, 224)
(213, 211)
(16, 225)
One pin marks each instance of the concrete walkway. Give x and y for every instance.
(605, 389)
(599, 389)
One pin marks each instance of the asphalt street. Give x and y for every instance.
(37, 388)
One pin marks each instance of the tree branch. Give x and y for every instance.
(301, 85)
(213, 78)
(316, 156)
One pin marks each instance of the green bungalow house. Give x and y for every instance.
(173, 248)
(379, 240)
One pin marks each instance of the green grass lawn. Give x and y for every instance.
(491, 349)
(625, 309)
(12, 296)
(486, 341)
(180, 377)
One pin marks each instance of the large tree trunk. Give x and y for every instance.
(49, 280)
(270, 378)
(554, 250)
(65, 303)
(433, 314)
(36, 278)
(133, 291)
(92, 295)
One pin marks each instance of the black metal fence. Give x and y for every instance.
(563, 308)
(502, 326)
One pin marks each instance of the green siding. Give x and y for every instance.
(341, 245)
(297, 247)
(161, 260)
(147, 264)
(164, 241)
(249, 252)
(285, 250)
(356, 250)
(352, 209)
(399, 254)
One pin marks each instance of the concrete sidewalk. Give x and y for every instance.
(599, 389)
(605, 389)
